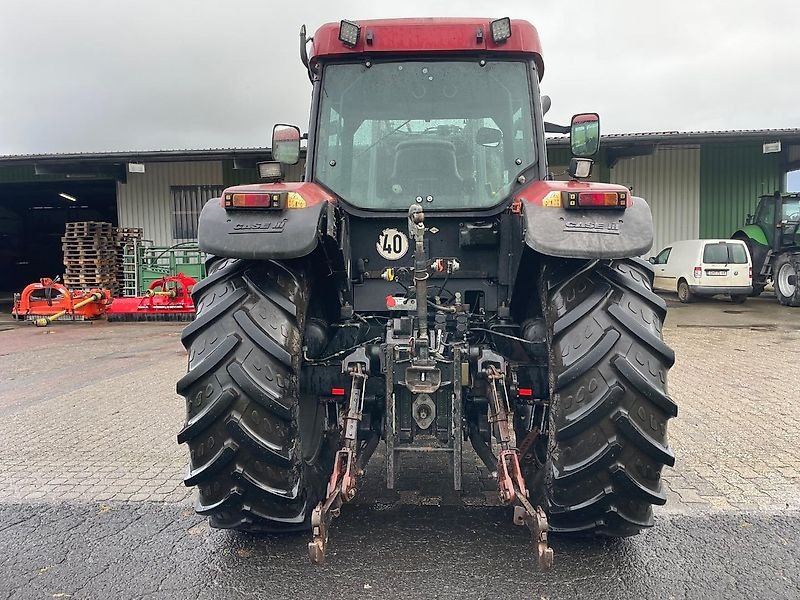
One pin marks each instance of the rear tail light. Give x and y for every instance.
(595, 199)
(750, 272)
(263, 200)
(274, 201)
(698, 272)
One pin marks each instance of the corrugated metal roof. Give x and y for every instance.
(144, 155)
(689, 137)
(610, 139)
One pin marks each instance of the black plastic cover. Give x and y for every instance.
(259, 235)
(589, 233)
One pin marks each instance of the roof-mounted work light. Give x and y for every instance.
(348, 33)
(270, 171)
(501, 30)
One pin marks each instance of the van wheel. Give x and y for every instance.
(684, 294)
(738, 298)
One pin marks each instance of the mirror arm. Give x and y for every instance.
(553, 128)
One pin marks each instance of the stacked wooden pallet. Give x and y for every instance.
(90, 256)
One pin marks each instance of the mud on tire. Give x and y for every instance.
(610, 407)
(257, 453)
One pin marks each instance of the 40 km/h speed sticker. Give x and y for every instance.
(392, 244)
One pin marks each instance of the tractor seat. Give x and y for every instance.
(427, 167)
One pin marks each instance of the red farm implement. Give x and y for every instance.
(167, 299)
(49, 300)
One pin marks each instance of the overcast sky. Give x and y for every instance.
(95, 75)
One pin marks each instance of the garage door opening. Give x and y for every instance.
(32, 223)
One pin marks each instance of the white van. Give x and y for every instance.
(704, 268)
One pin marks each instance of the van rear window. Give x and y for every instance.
(722, 254)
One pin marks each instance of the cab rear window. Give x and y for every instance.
(723, 254)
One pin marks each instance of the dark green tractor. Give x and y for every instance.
(774, 241)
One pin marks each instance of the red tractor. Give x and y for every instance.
(427, 285)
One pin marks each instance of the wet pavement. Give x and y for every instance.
(92, 504)
(164, 551)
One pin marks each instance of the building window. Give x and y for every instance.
(187, 202)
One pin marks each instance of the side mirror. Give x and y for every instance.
(652, 260)
(286, 144)
(584, 135)
(489, 137)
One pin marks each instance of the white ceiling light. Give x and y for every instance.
(68, 197)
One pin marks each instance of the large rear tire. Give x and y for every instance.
(258, 452)
(609, 406)
(787, 279)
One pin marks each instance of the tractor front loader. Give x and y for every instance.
(428, 285)
(773, 238)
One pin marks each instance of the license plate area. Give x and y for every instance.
(716, 272)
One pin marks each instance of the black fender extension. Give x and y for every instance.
(597, 233)
(262, 234)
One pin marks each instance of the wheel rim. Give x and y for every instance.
(682, 289)
(787, 289)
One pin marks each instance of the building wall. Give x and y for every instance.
(733, 176)
(25, 174)
(145, 200)
(670, 182)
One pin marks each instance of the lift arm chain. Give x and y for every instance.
(343, 483)
(511, 483)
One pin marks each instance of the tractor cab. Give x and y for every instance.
(442, 113)
(778, 217)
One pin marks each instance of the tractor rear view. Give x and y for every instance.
(773, 238)
(427, 286)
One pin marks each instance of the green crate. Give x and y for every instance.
(156, 262)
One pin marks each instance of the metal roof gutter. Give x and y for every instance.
(690, 137)
(147, 156)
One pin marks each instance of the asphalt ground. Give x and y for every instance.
(92, 505)
(165, 551)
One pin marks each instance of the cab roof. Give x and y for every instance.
(428, 35)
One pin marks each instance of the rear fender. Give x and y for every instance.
(589, 233)
(262, 234)
(754, 232)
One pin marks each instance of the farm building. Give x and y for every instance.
(698, 184)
